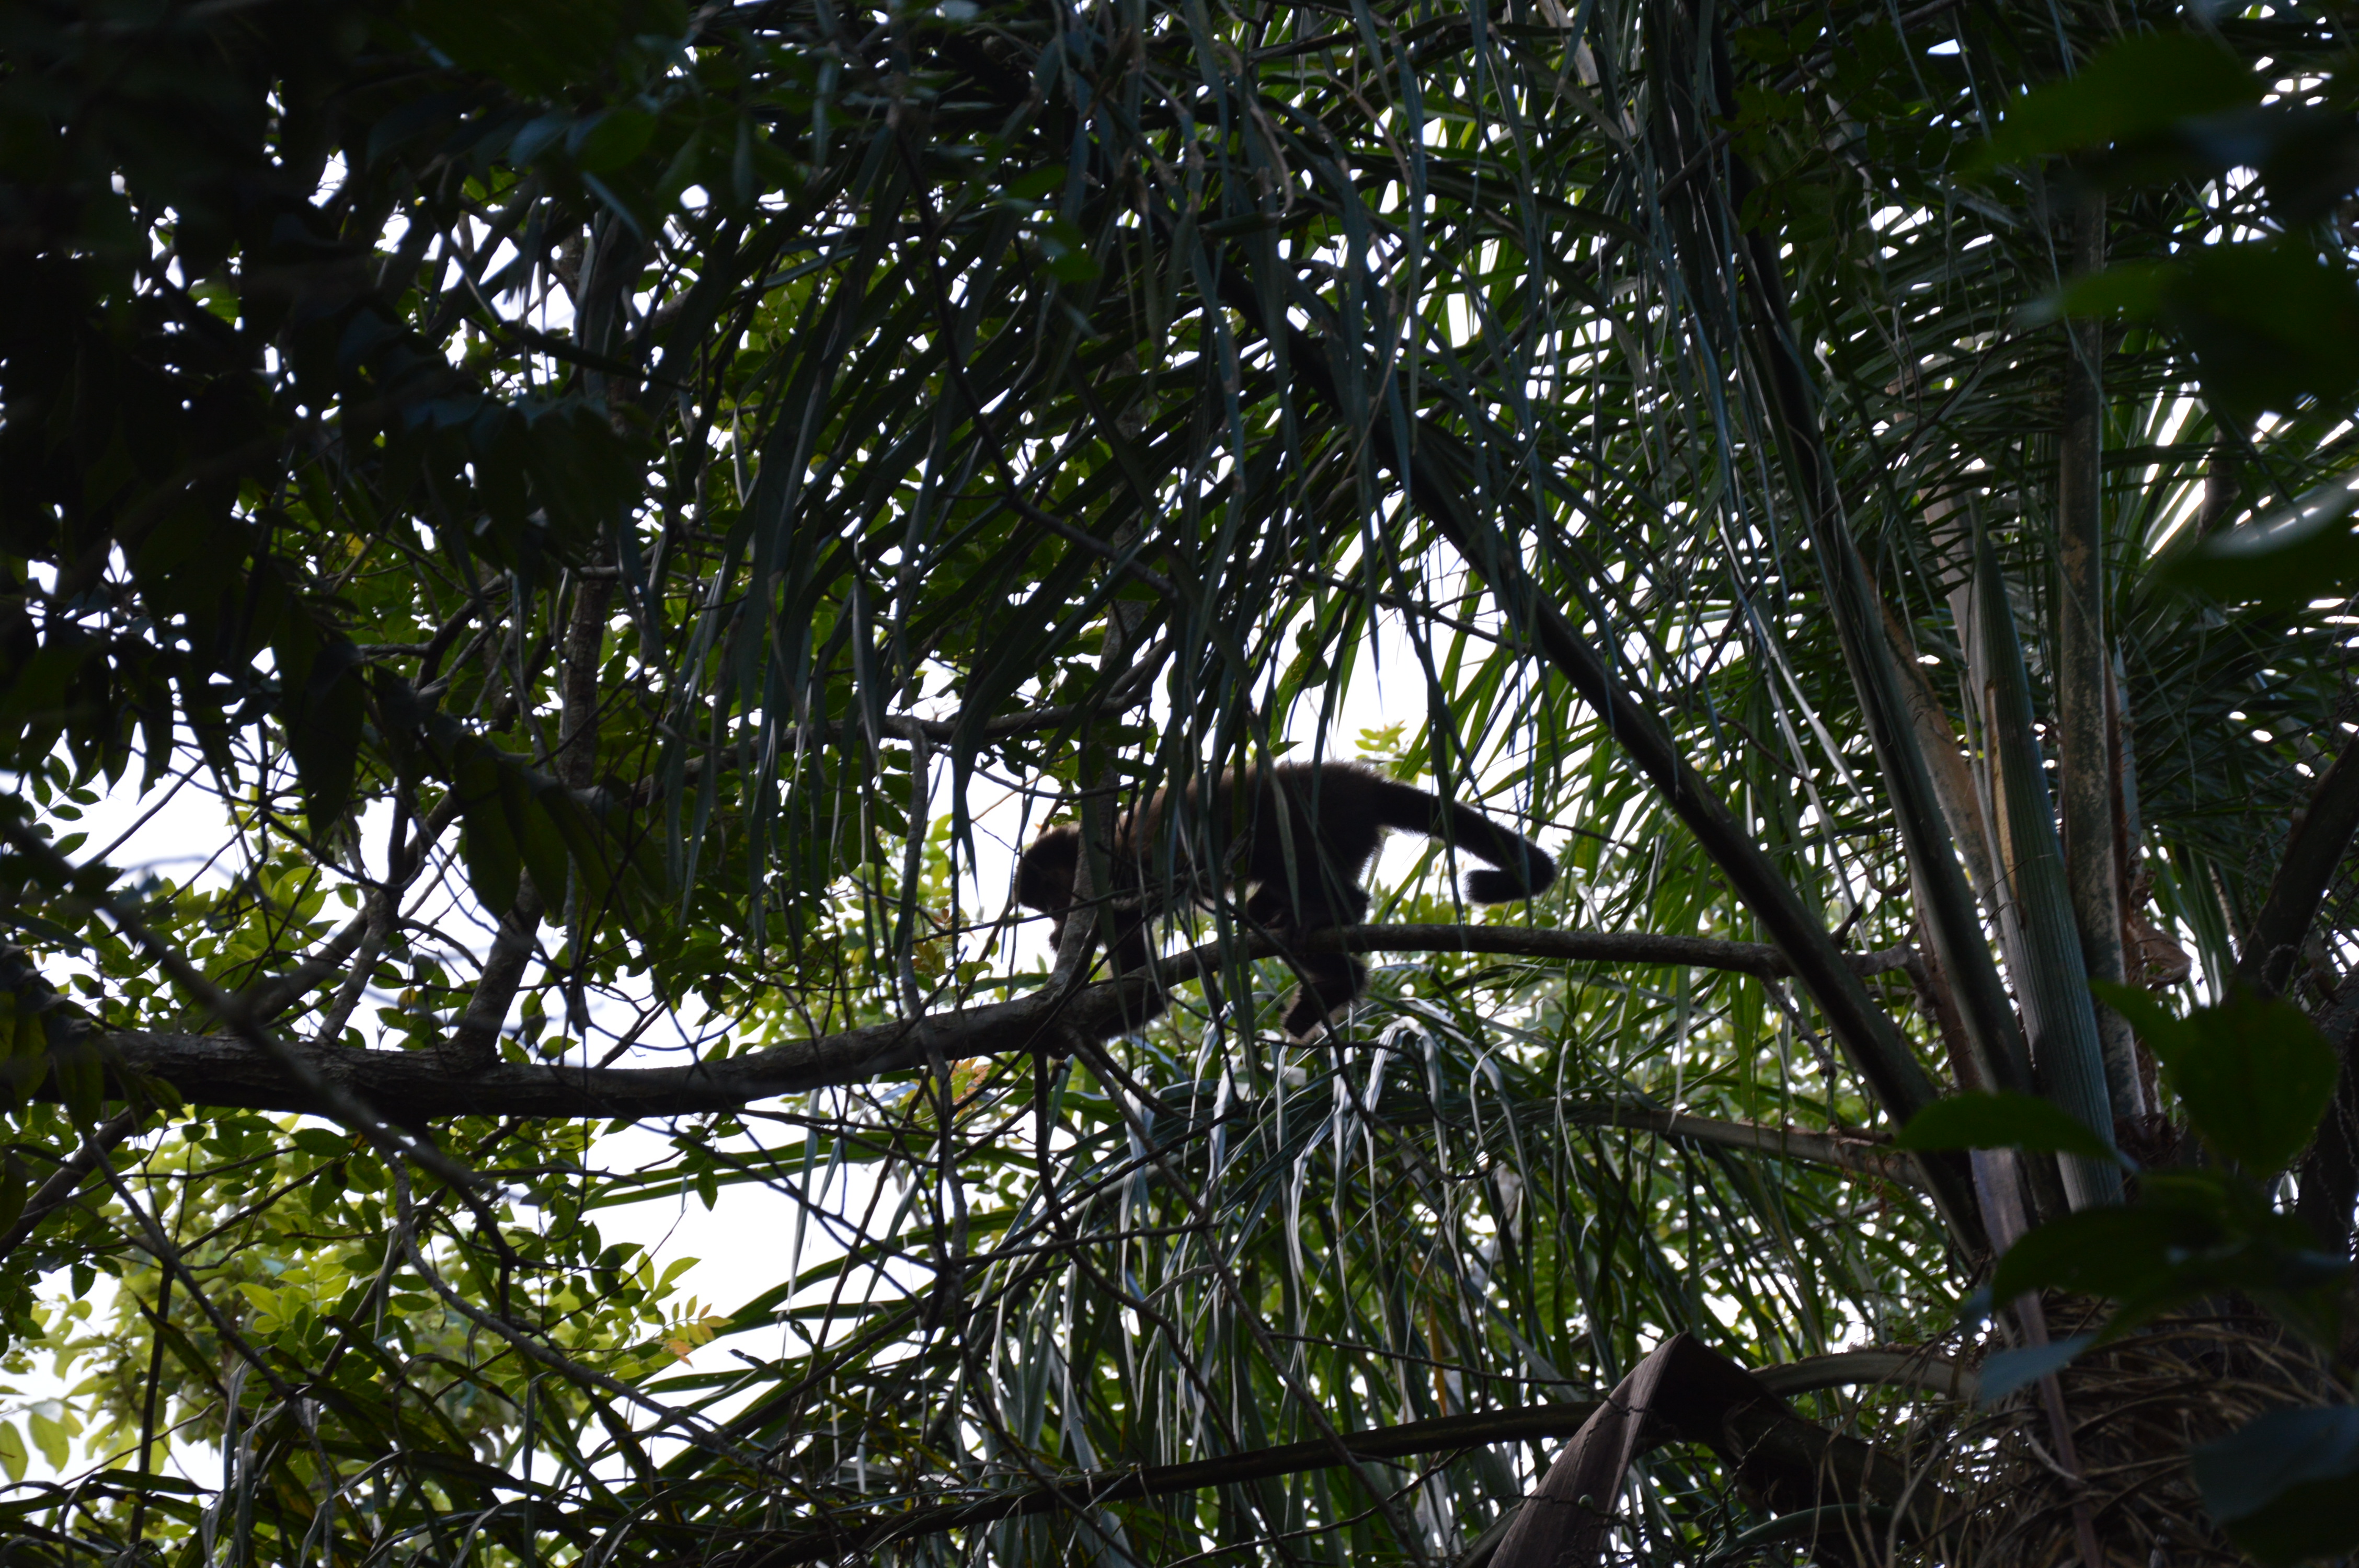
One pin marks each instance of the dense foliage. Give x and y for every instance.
(631, 515)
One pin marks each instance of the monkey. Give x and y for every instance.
(1300, 836)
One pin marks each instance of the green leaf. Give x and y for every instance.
(2271, 323)
(2163, 1030)
(1037, 185)
(82, 1080)
(2286, 1484)
(1066, 251)
(2001, 1121)
(2311, 162)
(2136, 88)
(28, 1054)
(35, 691)
(323, 1143)
(2135, 290)
(584, 474)
(2307, 551)
(494, 862)
(2005, 1371)
(613, 139)
(49, 1437)
(16, 1186)
(2255, 1077)
(543, 846)
(323, 716)
(13, 1456)
(2118, 1252)
(2188, 1234)
(541, 46)
(2255, 1081)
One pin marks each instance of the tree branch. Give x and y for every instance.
(65, 1183)
(1759, 959)
(412, 1087)
(2329, 1171)
(416, 1087)
(2314, 849)
(271, 997)
(1856, 1152)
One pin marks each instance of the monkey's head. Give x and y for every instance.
(1044, 877)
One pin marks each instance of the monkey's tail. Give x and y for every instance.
(1525, 869)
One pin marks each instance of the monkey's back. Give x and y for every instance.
(1284, 823)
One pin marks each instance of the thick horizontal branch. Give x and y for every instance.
(1640, 948)
(1863, 1154)
(415, 1087)
(1758, 959)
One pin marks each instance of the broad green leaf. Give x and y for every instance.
(2255, 1075)
(323, 1143)
(2118, 1252)
(494, 862)
(16, 1186)
(2271, 323)
(542, 844)
(2286, 1484)
(2256, 1080)
(2311, 161)
(2136, 87)
(2164, 1031)
(2135, 290)
(613, 139)
(2184, 1236)
(1065, 249)
(28, 1051)
(2285, 561)
(323, 712)
(538, 46)
(2001, 1121)
(49, 1434)
(2005, 1371)
(82, 1080)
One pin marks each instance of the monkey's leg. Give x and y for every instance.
(1329, 982)
(1132, 955)
(1269, 905)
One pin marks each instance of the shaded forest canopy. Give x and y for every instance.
(552, 553)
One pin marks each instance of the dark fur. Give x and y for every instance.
(1298, 837)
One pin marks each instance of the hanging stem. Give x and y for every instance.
(2084, 752)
